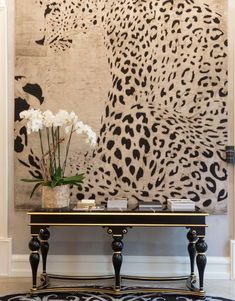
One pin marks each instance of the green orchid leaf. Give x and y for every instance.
(77, 184)
(54, 183)
(58, 180)
(72, 182)
(58, 173)
(75, 178)
(34, 189)
(33, 180)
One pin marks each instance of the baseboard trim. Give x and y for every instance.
(232, 254)
(5, 256)
(217, 267)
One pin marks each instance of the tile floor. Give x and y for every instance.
(220, 288)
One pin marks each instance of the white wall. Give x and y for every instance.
(5, 242)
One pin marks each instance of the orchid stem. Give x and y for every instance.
(43, 158)
(58, 137)
(54, 147)
(50, 154)
(67, 150)
(40, 136)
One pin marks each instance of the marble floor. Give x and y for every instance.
(220, 288)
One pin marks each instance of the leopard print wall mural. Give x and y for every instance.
(149, 75)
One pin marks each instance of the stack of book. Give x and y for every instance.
(85, 205)
(152, 205)
(180, 205)
(117, 204)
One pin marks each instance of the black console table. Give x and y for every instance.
(117, 224)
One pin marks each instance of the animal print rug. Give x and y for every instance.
(104, 297)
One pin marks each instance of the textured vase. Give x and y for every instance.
(57, 197)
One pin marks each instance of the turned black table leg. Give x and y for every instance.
(201, 248)
(44, 235)
(192, 238)
(34, 246)
(117, 246)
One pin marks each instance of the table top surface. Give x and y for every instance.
(195, 220)
(118, 211)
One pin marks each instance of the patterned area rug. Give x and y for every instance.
(104, 297)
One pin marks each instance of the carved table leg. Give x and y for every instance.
(201, 248)
(34, 246)
(117, 246)
(44, 235)
(192, 238)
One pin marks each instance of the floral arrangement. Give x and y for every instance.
(49, 127)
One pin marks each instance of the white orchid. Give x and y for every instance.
(62, 118)
(34, 118)
(91, 135)
(25, 114)
(68, 129)
(54, 168)
(73, 118)
(92, 138)
(48, 119)
(80, 128)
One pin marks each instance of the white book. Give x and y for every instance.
(88, 202)
(182, 204)
(182, 210)
(150, 206)
(117, 203)
(97, 208)
(149, 209)
(117, 209)
(153, 207)
(154, 204)
(180, 201)
(79, 208)
(182, 207)
(179, 207)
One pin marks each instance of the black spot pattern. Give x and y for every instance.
(25, 154)
(164, 129)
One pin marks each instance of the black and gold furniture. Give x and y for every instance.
(117, 224)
